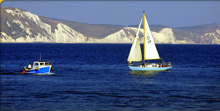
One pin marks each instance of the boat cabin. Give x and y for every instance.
(40, 63)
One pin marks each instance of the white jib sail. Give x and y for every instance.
(150, 50)
(135, 52)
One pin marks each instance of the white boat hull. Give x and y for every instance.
(137, 68)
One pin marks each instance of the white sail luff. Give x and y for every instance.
(150, 50)
(135, 52)
(137, 34)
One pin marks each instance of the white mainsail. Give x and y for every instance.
(150, 50)
(135, 52)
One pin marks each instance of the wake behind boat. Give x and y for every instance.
(38, 68)
(149, 49)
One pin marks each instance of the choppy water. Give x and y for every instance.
(96, 77)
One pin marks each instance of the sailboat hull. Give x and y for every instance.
(136, 68)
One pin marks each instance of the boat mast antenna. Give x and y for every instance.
(40, 56)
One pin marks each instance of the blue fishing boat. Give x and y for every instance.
(150, 52)
(38, 67)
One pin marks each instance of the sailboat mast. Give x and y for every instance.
(144, 34)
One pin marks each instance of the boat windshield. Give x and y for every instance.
(40, 63)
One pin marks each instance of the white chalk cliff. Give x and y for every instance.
(19, 26)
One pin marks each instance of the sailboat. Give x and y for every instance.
(150, 52)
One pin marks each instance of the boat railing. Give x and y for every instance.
(165, 64)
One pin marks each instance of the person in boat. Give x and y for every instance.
(143, 64)
(29, 66)
(163, 65)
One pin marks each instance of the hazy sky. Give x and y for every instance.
(169, 13)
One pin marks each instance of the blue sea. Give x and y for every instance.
(96, 77)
